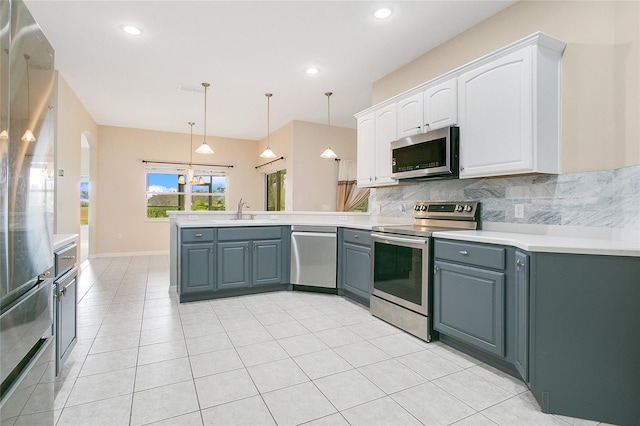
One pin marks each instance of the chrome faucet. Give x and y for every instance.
(240, 204)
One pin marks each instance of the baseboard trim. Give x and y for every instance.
(129, 254)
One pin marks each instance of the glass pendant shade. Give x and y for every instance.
(200, 181)
(181, 180)
(328, 153)
(4, 135)
(268, 153)
(205, 148)
(28, 136)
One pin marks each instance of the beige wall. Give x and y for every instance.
(281, 143)
(600, 72)
(311, 181)
(315, 179)
(121, 194)
(73, 121)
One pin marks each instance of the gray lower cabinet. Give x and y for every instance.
(470, 300)
(249, 257)
(354, 264)
(233, 264)
(267, 262)
(249, 263)
(469, 305)
(197, 254)
(522, 314)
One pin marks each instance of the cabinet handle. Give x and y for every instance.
(64, 289)
(198, 235)
(355, 236)
(462, 169)
(69, 257)
(519, 264)
(435, 269)
(464, 252)
(246, 247)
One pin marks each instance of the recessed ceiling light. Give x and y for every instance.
(382, 13)
(131, 30)
(312, 70)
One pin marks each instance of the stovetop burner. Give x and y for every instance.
(431, 217)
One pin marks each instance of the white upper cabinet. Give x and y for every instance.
(410, 115)
(376, 131)
(441, 105)
(507, 105)
(366, 141)
(385, 134)
(509, 111)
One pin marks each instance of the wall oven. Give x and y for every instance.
(402, 265)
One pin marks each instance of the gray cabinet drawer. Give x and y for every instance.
(357, 236)
(197, 235)
(250, 233)
(473, 254)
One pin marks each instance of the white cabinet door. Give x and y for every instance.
(495, 116)
(366, 140)
(410, 114)
(441, 105)
(385, 134)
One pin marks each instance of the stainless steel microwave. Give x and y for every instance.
(427, 155)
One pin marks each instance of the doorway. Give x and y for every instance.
(85, 191)
(276, 187)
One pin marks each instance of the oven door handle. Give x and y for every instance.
(396, 239)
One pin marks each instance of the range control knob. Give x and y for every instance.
(468, 208)
(458, 208)
(423, 208)
(417, 207)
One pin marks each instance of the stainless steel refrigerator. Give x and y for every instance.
(27, 132)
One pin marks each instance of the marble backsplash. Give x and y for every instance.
(605, 199)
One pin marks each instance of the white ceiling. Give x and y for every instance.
(244, 49)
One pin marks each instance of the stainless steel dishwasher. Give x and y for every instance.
(313, 256)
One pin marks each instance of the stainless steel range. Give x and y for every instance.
(402, 264)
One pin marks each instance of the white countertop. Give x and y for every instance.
(261, 218)
(548, 243)
(533, 238)
(61, 240)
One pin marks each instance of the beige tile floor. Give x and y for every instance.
(280, 358)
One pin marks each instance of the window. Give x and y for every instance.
(362, 207)
(165, 193)
(209, 196)
(276, 190)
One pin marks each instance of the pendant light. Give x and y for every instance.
(205, 148)
(28, 134)
(328, 153)
(267, 153)
(181, 179)
(191, 177)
